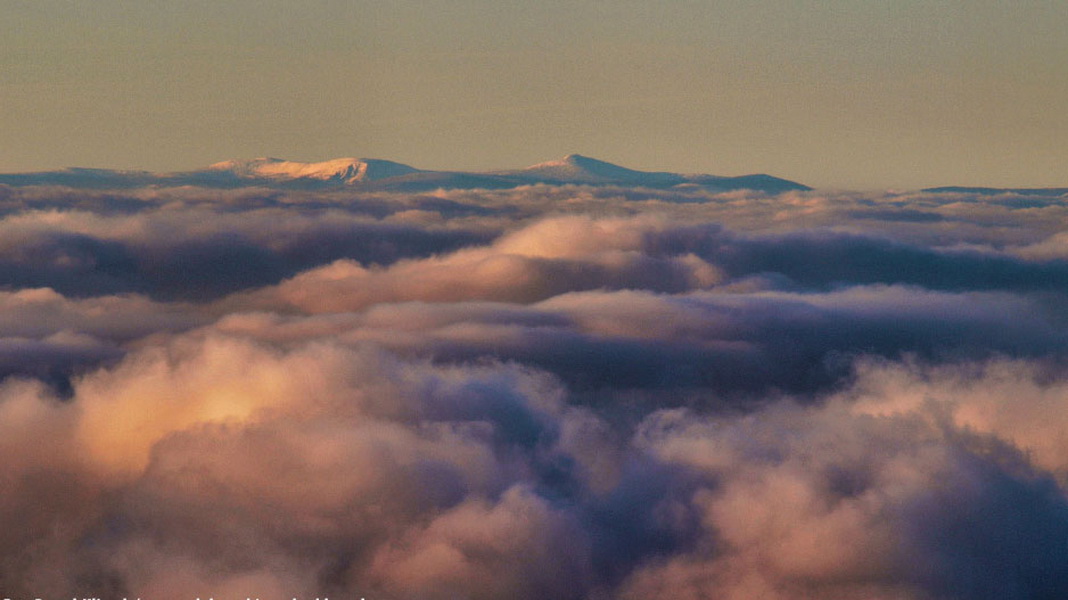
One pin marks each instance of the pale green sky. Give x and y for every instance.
(854, 93)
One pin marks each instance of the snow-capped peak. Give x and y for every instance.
(578, 168)
(347, 170)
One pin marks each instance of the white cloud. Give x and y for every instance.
(543, 392)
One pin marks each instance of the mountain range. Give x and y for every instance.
(377, 174)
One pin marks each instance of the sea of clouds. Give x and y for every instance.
(548, 392)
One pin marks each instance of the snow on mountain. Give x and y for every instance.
(578, 168)
(575, 168)
(345, 170)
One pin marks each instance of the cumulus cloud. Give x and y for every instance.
(330, 468)
(828, 503)
(546, 392)
(354, 460)
(734, 341)
(542, 260)
(198, 253)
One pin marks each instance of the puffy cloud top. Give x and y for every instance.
(546, 392)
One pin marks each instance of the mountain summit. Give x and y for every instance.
(575, 168)
(578, 169)
(342, 170)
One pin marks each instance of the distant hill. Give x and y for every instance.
(377, 174)
(994, 191)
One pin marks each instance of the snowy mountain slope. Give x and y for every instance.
(343, 170)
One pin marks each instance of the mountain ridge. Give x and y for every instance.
(380, 174)
(991, 191)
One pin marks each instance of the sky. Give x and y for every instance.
(851, 94)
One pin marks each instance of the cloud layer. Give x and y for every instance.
(561, 392)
